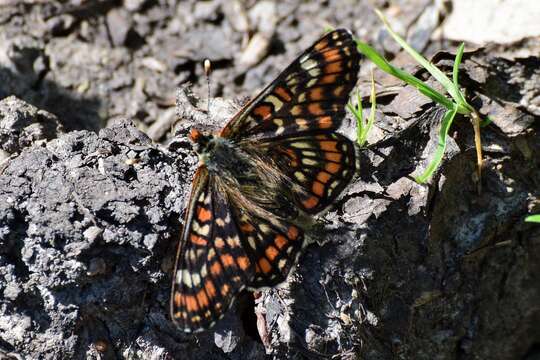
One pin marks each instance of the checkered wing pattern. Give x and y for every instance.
(223, 250)
(274, 244)
(321, 163)
(212, 265)
(309, 95)
(226, 245)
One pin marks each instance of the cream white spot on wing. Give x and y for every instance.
(201, 230)
(309, 64)
(302, 124)
(314, 72)
(264, 228)
(301, 145)
(275, 101)
(196, 278)
(233, 241)
(300, 176)
(307, 161)
(185, 276)
(251, 241)
(204, 271)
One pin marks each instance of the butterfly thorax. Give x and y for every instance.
(221, 156)
(262, 186)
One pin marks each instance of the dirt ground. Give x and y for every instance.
(96, 99)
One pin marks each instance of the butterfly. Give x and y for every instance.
(277, 162)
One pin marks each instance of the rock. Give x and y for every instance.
(22, 124)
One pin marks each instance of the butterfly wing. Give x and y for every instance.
(310, 94)
(274, 245)
(320, 163)
(212, 265)
(225, 246)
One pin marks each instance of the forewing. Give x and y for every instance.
(321, 164)
(212, 265)
(310, 94)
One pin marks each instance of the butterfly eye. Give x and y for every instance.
(211, 145)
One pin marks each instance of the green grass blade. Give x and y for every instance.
(363, 130)
(433, 70)
(357, 112)
(533, 218)
(439, 153)
(462, 103)
(457, 62)
(485, 122)
(373, 100)
(385, 66)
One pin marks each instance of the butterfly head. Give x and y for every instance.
(200, 140)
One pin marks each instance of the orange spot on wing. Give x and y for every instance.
(265, 266)
(331, 55)
(191, 303)
(328, 145)
(198, 240)
(321, 45)
(310, 202)
(271, 252)
(263, 111)
(318, 188)
(202, 298)
(316, 94)
(247, 227)
(280, 241)
(338, 91)
(225, 289)
(334, 67)
(227, 259)
(335, 157)
(292, 233)
(210, 288)
(219, 243)
(325, 122)
(243, 262)
(315, 109)
(323, 177)
(283, 94)
(294, 158)
(203, 214)
(216, 269)
(332, 167)
(178, 299)
(328, 79)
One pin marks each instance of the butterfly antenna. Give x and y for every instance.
(207, 70)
